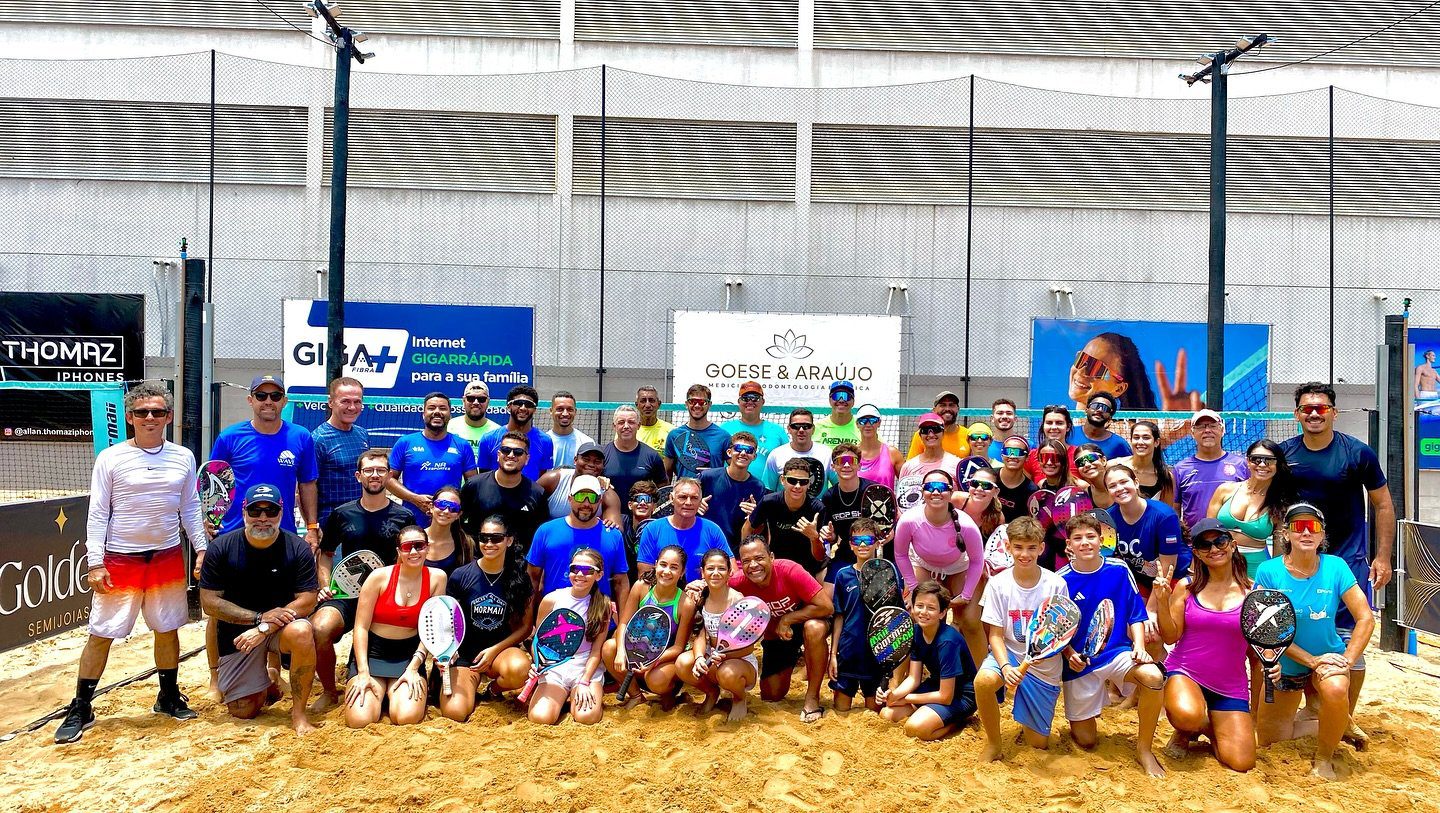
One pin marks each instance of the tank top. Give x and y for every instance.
(447, 564)
(1149, 492)
(1258, 529)
(670, 607)
(879, 469)
(562, 599)
(388, 612)
(1212, 651)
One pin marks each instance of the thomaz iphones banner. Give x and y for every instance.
(1425, 389)
(794, 356)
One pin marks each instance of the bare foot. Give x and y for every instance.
(301, 724)
(635, 699)
(1127, 703)
(1357, 737)
(711, 698)
(1151, 765)
(1178, 747)
(737, 710)
(669, 699)
(215, 686)
(991, 753)
(273, 694)
(324, 702)
(1325, 769)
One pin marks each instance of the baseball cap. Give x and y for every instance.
(945, 394)
(842, 385)
(263, 492)
(585, 482)
(476, 386)
(751, 386)
(1206, 413)
(979, 428)
(586, 448)
(929, 417)
(867, 411)
(260, 380)
(1206, 526)
(1304, 509)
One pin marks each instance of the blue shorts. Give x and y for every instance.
(1214, 700)
(1343, 619)
(1035, 699)
(957, 711)
(848, 685)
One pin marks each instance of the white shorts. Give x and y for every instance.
(1085, 696)
(939, 573)
(567, 675)
(149, 583)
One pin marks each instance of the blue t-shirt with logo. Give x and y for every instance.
(695, 450)
(542, 452)
(725, 495)
(1316, 600)
(1113, 446)
(556, 542)
(284, 460)
(1156, 534)
(853, 656)
(768, 438)
(426, 465)
(1113, 580)
(695, 541)
(487, 615)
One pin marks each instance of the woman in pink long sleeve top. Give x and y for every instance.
(934, 541)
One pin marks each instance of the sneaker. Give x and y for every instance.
(78, 717)
(174, 705)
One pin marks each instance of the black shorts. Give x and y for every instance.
(778, 656)
(346, 607)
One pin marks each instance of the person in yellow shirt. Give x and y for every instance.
(652, 431)
(956, 439)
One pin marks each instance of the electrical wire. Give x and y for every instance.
(1356, 41)
(307, 32)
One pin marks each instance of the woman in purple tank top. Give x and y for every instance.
(1207, 690)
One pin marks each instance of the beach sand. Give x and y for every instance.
(648, 760)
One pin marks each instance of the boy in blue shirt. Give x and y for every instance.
(945, 698)
(852, 665)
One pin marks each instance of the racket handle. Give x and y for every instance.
(444, 667)
(524, 696)
(625, 686)
(1269, 690)
(1024, 667)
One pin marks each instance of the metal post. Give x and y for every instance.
(600, 365)
(339, 166)
(969, 232)
(1397, 460)
(1331, 144)
(1215, 312)
(210, 233)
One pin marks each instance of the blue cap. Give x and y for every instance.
(257, 381)
(263, 492)
(842, 385)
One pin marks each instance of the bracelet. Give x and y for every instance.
(312, 526)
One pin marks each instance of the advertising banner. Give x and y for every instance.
(42, 570)
(795, 357)
(1146, 365)
(1425, 386)
(77, 338)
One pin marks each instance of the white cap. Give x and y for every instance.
(867, 411)
(585, 482)
(476, 385)
(1206, 413)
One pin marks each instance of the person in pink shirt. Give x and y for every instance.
(934, 541)
(879, 462)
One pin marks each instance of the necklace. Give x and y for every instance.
(840, 495)
(492, 579)
(1293, 568)
(158, 449)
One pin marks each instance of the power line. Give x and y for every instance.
(307, 32)
(1356, 41)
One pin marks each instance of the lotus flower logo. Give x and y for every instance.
(789, 346)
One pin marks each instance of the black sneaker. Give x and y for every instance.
(174, 705)
(78, 717)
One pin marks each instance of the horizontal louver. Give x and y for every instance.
(687, 159)
(459, 18)
(851, 163)
(198, 13)
(1118, 28)
(718, 22)
(406, 149)
(1387, 178)
(98, 139)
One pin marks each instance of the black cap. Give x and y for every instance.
(586, 448)
(1208, 525)
(1304, 509)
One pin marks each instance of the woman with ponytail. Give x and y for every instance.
(935, 541)
(578, 681)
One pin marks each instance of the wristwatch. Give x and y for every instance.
(256, 622)
(264, 627)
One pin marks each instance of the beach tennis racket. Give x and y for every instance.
(740, 626)
(216, 485)
(1051, 630)
(696, 454)
(967, 468)
(556, 640)
(997, 557)
(647, 635)
(442, 628)
(1102, 623)
(1267, 620)
(349, 574)
(817, 478)
(663, 506)
(1040, 505)
(878, 503)
(879, 584)
(891, 633)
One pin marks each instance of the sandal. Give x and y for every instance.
(811, 715)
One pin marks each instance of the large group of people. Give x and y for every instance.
(513, 522)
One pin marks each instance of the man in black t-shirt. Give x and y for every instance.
(627, 460)
(259, 584)
(371, 523)
(842, 504)
(789, 519)
(505, 491)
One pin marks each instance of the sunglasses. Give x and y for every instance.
(586, 497)
(930, 429)
(1315, 409)
(751, 398)
(802, 427)
(523, 403)
(448, 505)
(797, 481)
(1101, 406)
(477, 399)
(150, 413)
(1049, 459)
(269, 395)
(643, 499)
(846, 460)
(862, 540)
(696, 402)
(1088, 458)
(868, 420)
(936, 487)
(980, 485)
(583, 570)
(741, 448)
(1208, 542)
(414, 547)
(1261, 460)
(267, 510)
(841, 396)
(1302, 526)
(512, 451)
(490, 539)
(1091, 367)
(980, 438)
(1013, 451)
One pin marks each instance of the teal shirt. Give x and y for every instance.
(1316, 601)
(769, 437)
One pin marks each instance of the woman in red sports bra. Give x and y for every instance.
(386, 661)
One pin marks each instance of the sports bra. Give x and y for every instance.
(669, 607)
(1258, 529)
(388, 612)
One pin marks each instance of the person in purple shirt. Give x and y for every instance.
(1197, 476)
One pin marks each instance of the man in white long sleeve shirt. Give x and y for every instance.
(141, 493)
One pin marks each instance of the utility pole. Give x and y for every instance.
(344, 40)
(1216, 72)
